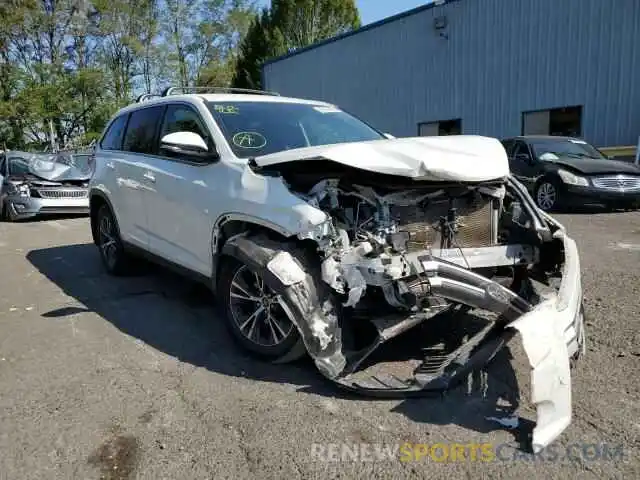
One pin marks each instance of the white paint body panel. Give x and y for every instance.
(551, 333)
(170, 207)
(462, 158)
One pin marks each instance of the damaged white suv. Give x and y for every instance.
(322, 236)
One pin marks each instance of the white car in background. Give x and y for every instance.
(323, 236)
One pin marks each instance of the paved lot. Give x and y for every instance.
(136, 378)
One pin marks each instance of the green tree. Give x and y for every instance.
(45, 52)
(287, 26)
(67, 65)
(203, 38)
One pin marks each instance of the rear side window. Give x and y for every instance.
(141, 131)
(113, 138)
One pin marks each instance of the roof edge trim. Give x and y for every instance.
(362, 29)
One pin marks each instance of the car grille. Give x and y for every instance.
(57, 193)
(621, 183)
(475, 221)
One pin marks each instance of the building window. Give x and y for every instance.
(565, 121)
(445, 127)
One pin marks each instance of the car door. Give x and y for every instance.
(522, 164)
(109, 157)
(179, 220)
(136, 185)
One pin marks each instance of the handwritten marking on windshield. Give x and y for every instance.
(249, 140)
(228, 109)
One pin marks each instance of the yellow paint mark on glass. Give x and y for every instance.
(227, 109)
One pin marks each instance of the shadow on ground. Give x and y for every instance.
(179, 318)
(49, 217)
(591, 209)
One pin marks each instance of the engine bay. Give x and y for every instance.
(379, 235)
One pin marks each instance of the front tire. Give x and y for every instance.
(6, 213)
(254, 315)
(547, 195)
(112, 253)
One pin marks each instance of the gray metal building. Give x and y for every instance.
(489, 67)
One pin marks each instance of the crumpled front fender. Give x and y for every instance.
(301, 294)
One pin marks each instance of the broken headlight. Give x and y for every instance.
(21, 190)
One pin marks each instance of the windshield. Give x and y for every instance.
(260, 128)
(564, 147)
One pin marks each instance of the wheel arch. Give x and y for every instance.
(231, 225)
(550, 176)
(97, 198)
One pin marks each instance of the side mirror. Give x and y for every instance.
(188, 144)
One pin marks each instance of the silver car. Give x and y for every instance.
(33, 184)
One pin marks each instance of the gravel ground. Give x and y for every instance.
(137, 378)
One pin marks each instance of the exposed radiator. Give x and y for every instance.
(476, 223)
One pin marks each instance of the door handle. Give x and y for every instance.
(111, 165)
(149, 176)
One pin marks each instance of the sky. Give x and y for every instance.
(374, 10)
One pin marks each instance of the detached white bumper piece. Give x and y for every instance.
(552, 333)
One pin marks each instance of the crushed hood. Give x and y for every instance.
(58, 167)
(463, 158)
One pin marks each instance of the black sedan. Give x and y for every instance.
(567, 171)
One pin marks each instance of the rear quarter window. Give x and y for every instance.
(112, 140)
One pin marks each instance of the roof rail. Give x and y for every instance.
(146, 96)
(187, 90)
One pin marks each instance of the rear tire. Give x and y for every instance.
(254, 317)
(112, 253)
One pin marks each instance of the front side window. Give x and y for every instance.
(260, 128)
(521, 149)
(180, 118)
(508, 147)
(548, 148)
(113, 138)
(141, 130)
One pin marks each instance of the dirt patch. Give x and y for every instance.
(116, 458)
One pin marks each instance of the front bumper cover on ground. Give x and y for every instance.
(552, 331)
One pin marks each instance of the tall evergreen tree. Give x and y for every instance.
(287, 26)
